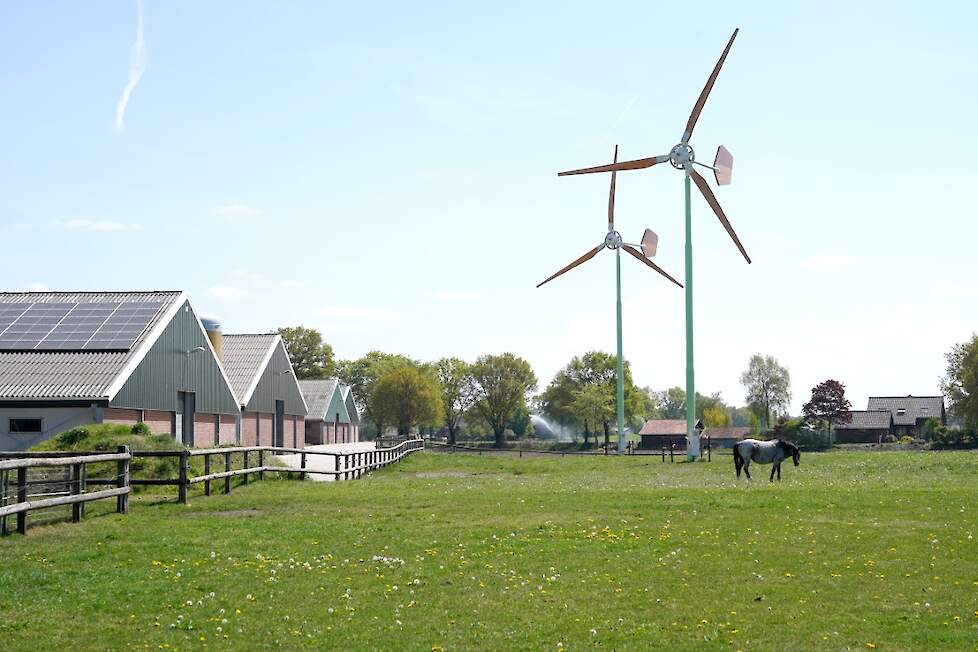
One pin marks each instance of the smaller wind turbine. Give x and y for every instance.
(614, 241)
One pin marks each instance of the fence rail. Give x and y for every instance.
(74, 484)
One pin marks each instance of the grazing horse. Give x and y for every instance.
(764, 452)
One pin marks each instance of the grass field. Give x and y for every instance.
(449, 552)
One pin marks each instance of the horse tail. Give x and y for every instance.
(738, 460)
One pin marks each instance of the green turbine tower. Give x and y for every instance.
(614, 241)
(682, 157)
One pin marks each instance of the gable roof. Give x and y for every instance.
(727, 432)
(914, 407)
(245, 358)
(39, 375)
(351, 404)
(318, 395)
(664, 427)
(868, 420)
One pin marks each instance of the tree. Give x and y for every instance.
(768, 384)
(828, 404)
(595, 404)
(715, 417)
(406, 396)
(361, 375)
(311, 357)
(457, 391)
(672, 403)
(502, 383)
(960, 384)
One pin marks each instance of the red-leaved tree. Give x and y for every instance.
(828, 404)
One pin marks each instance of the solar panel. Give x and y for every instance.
(33, 325)
(122, 328)
(90, 326)
(77, 327)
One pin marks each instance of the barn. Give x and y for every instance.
(657, 433)
(333, 417)
(865, 427)
(910, 412)
(74, 358)
(258, 367)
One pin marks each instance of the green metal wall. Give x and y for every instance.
(336, 405)
(277, 386)
(167, 369)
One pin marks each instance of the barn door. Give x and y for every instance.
(186, 404)
(280, 423)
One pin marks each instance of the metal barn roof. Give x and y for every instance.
(244, 359)
(868, 420)
(318, 395)
(907, 409)
(33, 375)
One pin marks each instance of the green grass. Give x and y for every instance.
(852, 550)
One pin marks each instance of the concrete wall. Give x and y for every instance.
(54, 420)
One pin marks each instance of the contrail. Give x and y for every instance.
(137, 66)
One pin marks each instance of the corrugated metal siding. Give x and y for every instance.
(274, 385)
(336, 405)
(167, 369)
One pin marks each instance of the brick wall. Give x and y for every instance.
(159, 422)
(249, 429)
(119, 415)
(267, 423)
(228, 432)
(205, 428)
(298, 436)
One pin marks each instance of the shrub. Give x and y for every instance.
(906, 440)
(795, 431)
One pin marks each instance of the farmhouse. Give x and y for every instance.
(910, 412)
(74, 358)
(273, 410)
(333, 417)
(866, 427)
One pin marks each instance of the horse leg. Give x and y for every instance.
(773, 467)
(779, 471)
(738, 463)
(747, 468)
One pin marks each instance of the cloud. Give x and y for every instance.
(463, 296)
(101, 226)
(956, 292)
(352, 312)
(235, 211)
(137, 66)
(827, 261)
(297, 283)
(227, 292)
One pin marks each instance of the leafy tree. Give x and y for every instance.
(361, 375)
(715, 417)
(520, 423)
(961, 382)
(828, 404)
(596, 404)
(768, 385)
(502, 383)
(406, 396)
(311, 357)
(457, 391)
(672, 403)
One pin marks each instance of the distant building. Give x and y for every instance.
(333, 417)
(273, 410)
(73, 358)
(866, 427)
(657, 433)
(910, 412)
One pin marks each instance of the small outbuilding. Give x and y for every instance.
(74, 358)
(273, 410)
(333, 417)
(657, 433)
(865, 427)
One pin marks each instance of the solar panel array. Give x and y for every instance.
(89, 326)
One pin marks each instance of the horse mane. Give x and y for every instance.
(787, 445)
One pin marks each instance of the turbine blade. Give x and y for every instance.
(638, 254)
(611, 195)
(715, 205)
(583, 259)
(698, 107)
(637, 164)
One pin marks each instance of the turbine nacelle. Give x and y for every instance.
(613, 240)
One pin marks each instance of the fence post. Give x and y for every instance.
(227, 478)
(709, 449)
(75, 490)
(3, 501)
(672, 452)
(184, 466)
(663, 454)
(207, 471)
(245, 481)
(302, 465)
(337, 459)
(122, 480)
(261, 463)
(22, 498)
(82, 488)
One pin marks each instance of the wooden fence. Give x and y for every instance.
(672, 451)
(72, 487)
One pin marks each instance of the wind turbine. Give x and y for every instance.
(682, 157)
(614, 241)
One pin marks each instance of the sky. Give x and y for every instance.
(386, 173)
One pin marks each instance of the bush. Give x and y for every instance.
(795, 431)
(906, 440)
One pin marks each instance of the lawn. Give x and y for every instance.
(450, 552)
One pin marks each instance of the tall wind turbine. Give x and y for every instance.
(614, 241)
(683, 158)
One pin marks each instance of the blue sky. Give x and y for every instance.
(387, 174)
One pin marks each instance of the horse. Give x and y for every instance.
(764, 452)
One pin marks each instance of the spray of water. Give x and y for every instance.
(547, 429)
